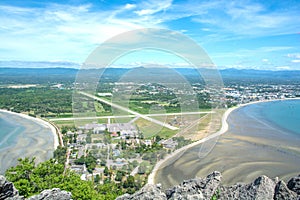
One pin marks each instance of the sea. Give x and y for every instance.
(9, 132)
(21, 137)
(283, 113)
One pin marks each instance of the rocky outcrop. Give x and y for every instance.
(9, 192)
(54, 194)
(294, 184)
(283, 193)
(196, 188)
(262, 188)
(149, 192)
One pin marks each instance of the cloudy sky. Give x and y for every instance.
(240, 34)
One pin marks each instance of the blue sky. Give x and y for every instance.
(239, 34)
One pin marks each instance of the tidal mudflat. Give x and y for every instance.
(253, 145)
(23, 136)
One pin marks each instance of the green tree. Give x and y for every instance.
(106, 171)
(90, 162)
(80, 161)
(97, 178)
(119, 175)
(129, 183)
(60, 154)
(109, 190)
(30, 179)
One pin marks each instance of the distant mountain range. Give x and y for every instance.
(62, 74)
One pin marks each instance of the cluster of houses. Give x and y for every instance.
(122, 130)
(126, 131)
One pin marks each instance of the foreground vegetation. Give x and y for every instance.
(31, 179)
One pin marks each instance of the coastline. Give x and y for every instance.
(224, 128)
(40, 122)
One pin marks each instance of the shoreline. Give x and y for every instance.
(224, 128)
(40, 122)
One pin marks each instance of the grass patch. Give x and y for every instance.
(150, 129)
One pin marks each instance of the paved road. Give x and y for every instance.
(181, 113)
(85, 118)
(61, 142)
(129, 111)
(134, 171)
(127, 116)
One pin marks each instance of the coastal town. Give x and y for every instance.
(240, 94)
(115, 152)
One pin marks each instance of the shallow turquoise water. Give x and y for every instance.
(9, 132)
(285, 114)
(21, 137)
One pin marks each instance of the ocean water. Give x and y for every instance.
(282, 115)
(9, 132)
(285, 114)
(21, 137)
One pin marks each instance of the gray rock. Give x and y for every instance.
(283, 193)
(53, 194)
(196, 188)
(148, 192)
(261, 188)
(7, 190)
(294, 184)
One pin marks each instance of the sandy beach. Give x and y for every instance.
(239, 155)
(38, 139)
(176, 154)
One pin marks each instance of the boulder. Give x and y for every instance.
(196, 188)
(294, 184)
(53, 194)
(148, 192)
(283, 193)
(8, 190)
(260, 189)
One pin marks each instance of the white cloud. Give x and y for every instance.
(37, 64)
(295, 61)
(153, 6)
(61, 32)
(274, 48)
(283, 68)
(246, 53)
(293, 55)
(129, 6)
(248, 18)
